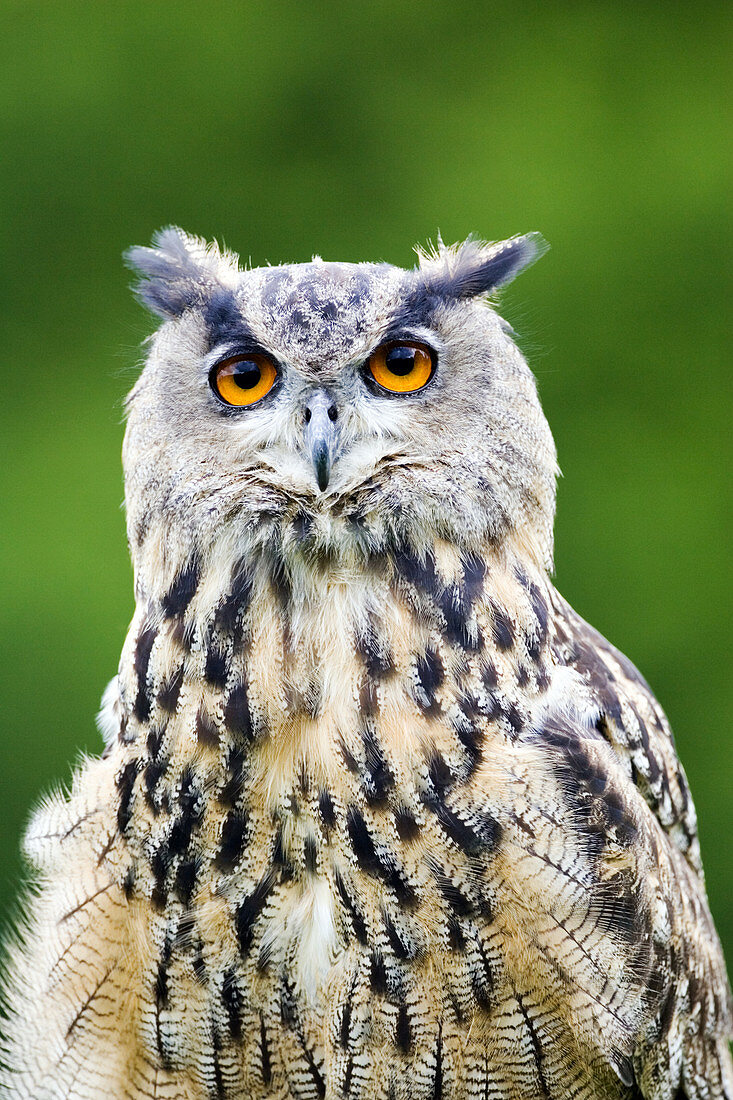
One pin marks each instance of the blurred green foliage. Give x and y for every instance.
(355, 131)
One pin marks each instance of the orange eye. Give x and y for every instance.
(244, 380)
(401, 368)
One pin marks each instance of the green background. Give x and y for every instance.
(355, 131)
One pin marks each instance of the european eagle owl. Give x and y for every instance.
(379, 817)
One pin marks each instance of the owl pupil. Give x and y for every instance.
(246, 374)
(400, 360)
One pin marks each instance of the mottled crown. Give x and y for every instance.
(468, 459)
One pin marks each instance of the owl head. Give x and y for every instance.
(333, 410)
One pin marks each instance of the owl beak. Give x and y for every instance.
(321, 433)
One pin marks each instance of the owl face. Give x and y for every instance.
(335, 408)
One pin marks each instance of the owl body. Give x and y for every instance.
(378, 814)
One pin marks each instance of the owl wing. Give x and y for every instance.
(686, 1032)
(633, 722)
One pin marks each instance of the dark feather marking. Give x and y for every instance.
(399, 948)
(231, 995)
(477, 832)
(452, 602)
(502, 628)
(280, 581)
(374, 651)
(125, 783)
(161, 983)
(348, 1074)
(216, 667)
(182, 591)
(87, 1002)
(107, 847)
(281, 858)
(315, 1072)
(345, 1029)
(233, 836)
(378, 780)
(437, 1093)
(290, 1019)
(357, 919)
(141, 528)
(327, 810)
(288, 1004)
(456, 901)
(206, 729)
(170, 690)
(468, 732)
(513, 717)
(301, 526)
(122, 736)
(183, 633)
(456, 938)
(249, 910)
(420, 572)
(265, 1064)
(474, 574)
(224, 320)
(191, 802)
(374, 863)
(177, 841)
(220, 1090)
(655, 771)
(161, 999)
(408, 827)
(368, 697)
(482, 979)
(235, 772)
(539, 1057)
(617, 908)
(537, 638)
(378, 981)
(310, 854)
(264, 957)
(440, 776)
(154, 770)
(489, 675)
(583, 654)
(143, 649)
(185, 880)
(541, 613)
(160, 861)
(430, 676)
(87, 901)
(237, 715)
(403, 1031)
(128, 883)
(624, 1069)
(227, 618)
(348, 757)
(543, 678)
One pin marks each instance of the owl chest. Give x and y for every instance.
(337, 846)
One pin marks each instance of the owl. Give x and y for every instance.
(379, 816)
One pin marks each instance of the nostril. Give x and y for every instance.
(308, 415)
(333, 413)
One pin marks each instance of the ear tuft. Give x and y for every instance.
(179, 271)
(473, 268)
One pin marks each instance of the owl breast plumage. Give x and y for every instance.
(379, 816)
